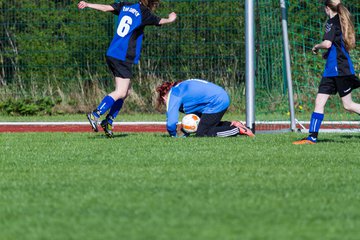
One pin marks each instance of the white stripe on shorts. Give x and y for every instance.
(228, 133)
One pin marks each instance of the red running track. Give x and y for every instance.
(79, 128)
(33, 127)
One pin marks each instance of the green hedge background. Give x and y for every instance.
(53, 53)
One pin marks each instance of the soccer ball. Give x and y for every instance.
(190, 123)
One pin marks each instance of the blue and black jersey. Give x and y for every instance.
(338, 60)
(126, 44)
(194, 96)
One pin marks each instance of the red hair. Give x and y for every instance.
(162, 90)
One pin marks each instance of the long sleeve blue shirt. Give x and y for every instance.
(194, 96)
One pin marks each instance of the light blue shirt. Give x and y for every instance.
(194, 96)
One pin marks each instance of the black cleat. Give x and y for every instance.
(93, 121)
(107, 128)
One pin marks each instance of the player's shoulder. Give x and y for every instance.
(129, 3)
(328, 26)
(178, 89)
(145, 10)
(122, 4)
(333, 22)
(119, 5)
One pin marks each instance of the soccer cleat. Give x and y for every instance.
(303, 142)
(107, 128)
(93, 121)
(242, 129)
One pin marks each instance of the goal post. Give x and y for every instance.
(250, 63)
(288, 64)
(250, 67)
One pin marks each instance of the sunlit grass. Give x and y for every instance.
(150, 186)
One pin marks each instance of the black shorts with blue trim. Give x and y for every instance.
(340, 84)
(119, 68)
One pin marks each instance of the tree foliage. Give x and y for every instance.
(51, 47)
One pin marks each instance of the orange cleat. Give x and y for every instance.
(242, 129)
(303, 142)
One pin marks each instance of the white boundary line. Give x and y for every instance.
(349, 130)
(308, 122)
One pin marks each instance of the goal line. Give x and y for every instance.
(303, 126)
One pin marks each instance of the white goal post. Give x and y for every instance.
(250, 64)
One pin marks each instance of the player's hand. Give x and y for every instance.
(180, 136)
(82, 5)
(180, 131)
(315, 50)
(172, 17)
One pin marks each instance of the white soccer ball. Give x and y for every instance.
(190, 123)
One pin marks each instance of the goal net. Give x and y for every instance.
(305, 23)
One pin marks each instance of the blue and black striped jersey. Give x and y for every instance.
(126, 44)
(338, 59)
(194, 96)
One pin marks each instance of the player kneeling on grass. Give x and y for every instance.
(206, 100)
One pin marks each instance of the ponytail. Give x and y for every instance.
(151, 4)
(347, 27)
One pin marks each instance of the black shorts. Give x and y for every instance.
(342, 85)
(210, 124)
(119, 68)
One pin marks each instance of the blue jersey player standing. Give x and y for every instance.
(204, 99)
(339, 75)
(123, 52)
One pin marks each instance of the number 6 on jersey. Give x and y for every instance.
(124, 26)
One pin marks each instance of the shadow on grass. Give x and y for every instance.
(343, 139)
(103, 136)
(119, 135)
(350, 136)
(329, 141)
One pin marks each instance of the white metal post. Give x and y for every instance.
(250, 64)
(288, 64)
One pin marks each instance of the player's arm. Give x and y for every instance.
(170, 19)
(172, 114)
(100, 7)
(326, 44)
(328, 39)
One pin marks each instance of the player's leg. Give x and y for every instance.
(224, 123)
(316, 119)
(349, 105)
(242, 128)
(121, 88)
(207, 122)
(211, 126)
(345, 87)
(122, 73)
(327, 87)
(317, 116)
(121, 92)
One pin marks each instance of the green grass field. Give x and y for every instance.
(150, 186)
